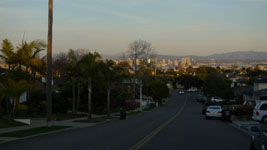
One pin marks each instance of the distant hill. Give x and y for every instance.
(242, 56)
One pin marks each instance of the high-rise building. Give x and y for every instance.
(169, 62)
(186, 61)
(163, 62)
(156, 61)
(176, 63)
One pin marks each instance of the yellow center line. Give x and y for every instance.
(139, 144)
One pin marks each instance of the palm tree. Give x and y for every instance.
(89, 66)
(27, 54)
(72, 73)
(8, 54)
(111, 74)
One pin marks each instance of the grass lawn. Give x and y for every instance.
(93, 120)
(149, 108)
(5, 123)
(61, 116)
(134, 113)
(33, 131)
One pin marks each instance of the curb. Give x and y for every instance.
(240, 129)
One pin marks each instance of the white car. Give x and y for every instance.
(216, 99)
(260, 112)
(214, 112)
(181, 92)
(192, 90)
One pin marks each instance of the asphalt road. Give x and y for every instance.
(178, 125)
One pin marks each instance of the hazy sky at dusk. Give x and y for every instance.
(179, 27)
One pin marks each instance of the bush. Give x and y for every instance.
(36, 104)
(22, 110)
(60, 104)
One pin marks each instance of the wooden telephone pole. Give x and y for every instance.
(49, 64)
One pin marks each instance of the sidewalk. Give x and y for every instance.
(245, 126)
(35, 123)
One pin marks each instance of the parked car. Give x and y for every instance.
(260, 112)
(216, 99)
(201, 98)
(206, 105)
(246, 108)
(192, 90)
(181, 92)
(214, 112)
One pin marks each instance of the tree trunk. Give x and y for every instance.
(73, 98)
(89, 98)
(34, 75)
(12, 109)
(108, 102)
(20, 66)
(78, 98)
(135, 65)
(1, 109)
(7, 106)
(9, 67)
(27, 69)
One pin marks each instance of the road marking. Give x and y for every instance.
(142, 142)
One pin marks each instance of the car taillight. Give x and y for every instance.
(257, 113)
(219, 112)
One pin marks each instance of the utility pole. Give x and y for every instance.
(49, 65)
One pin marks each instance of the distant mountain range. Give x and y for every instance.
(241, 56)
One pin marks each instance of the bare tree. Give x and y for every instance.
(139, 49)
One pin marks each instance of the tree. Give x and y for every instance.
(111, 74)
(8, 54)
(217, 85)
(189, 80)
(137, 50)
(89, 66)
(72, 68)
(27, 55)
(158, 90)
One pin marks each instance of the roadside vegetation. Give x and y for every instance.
(83, 82)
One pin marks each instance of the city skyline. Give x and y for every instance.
(173, 27)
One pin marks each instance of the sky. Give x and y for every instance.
(176, 27)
